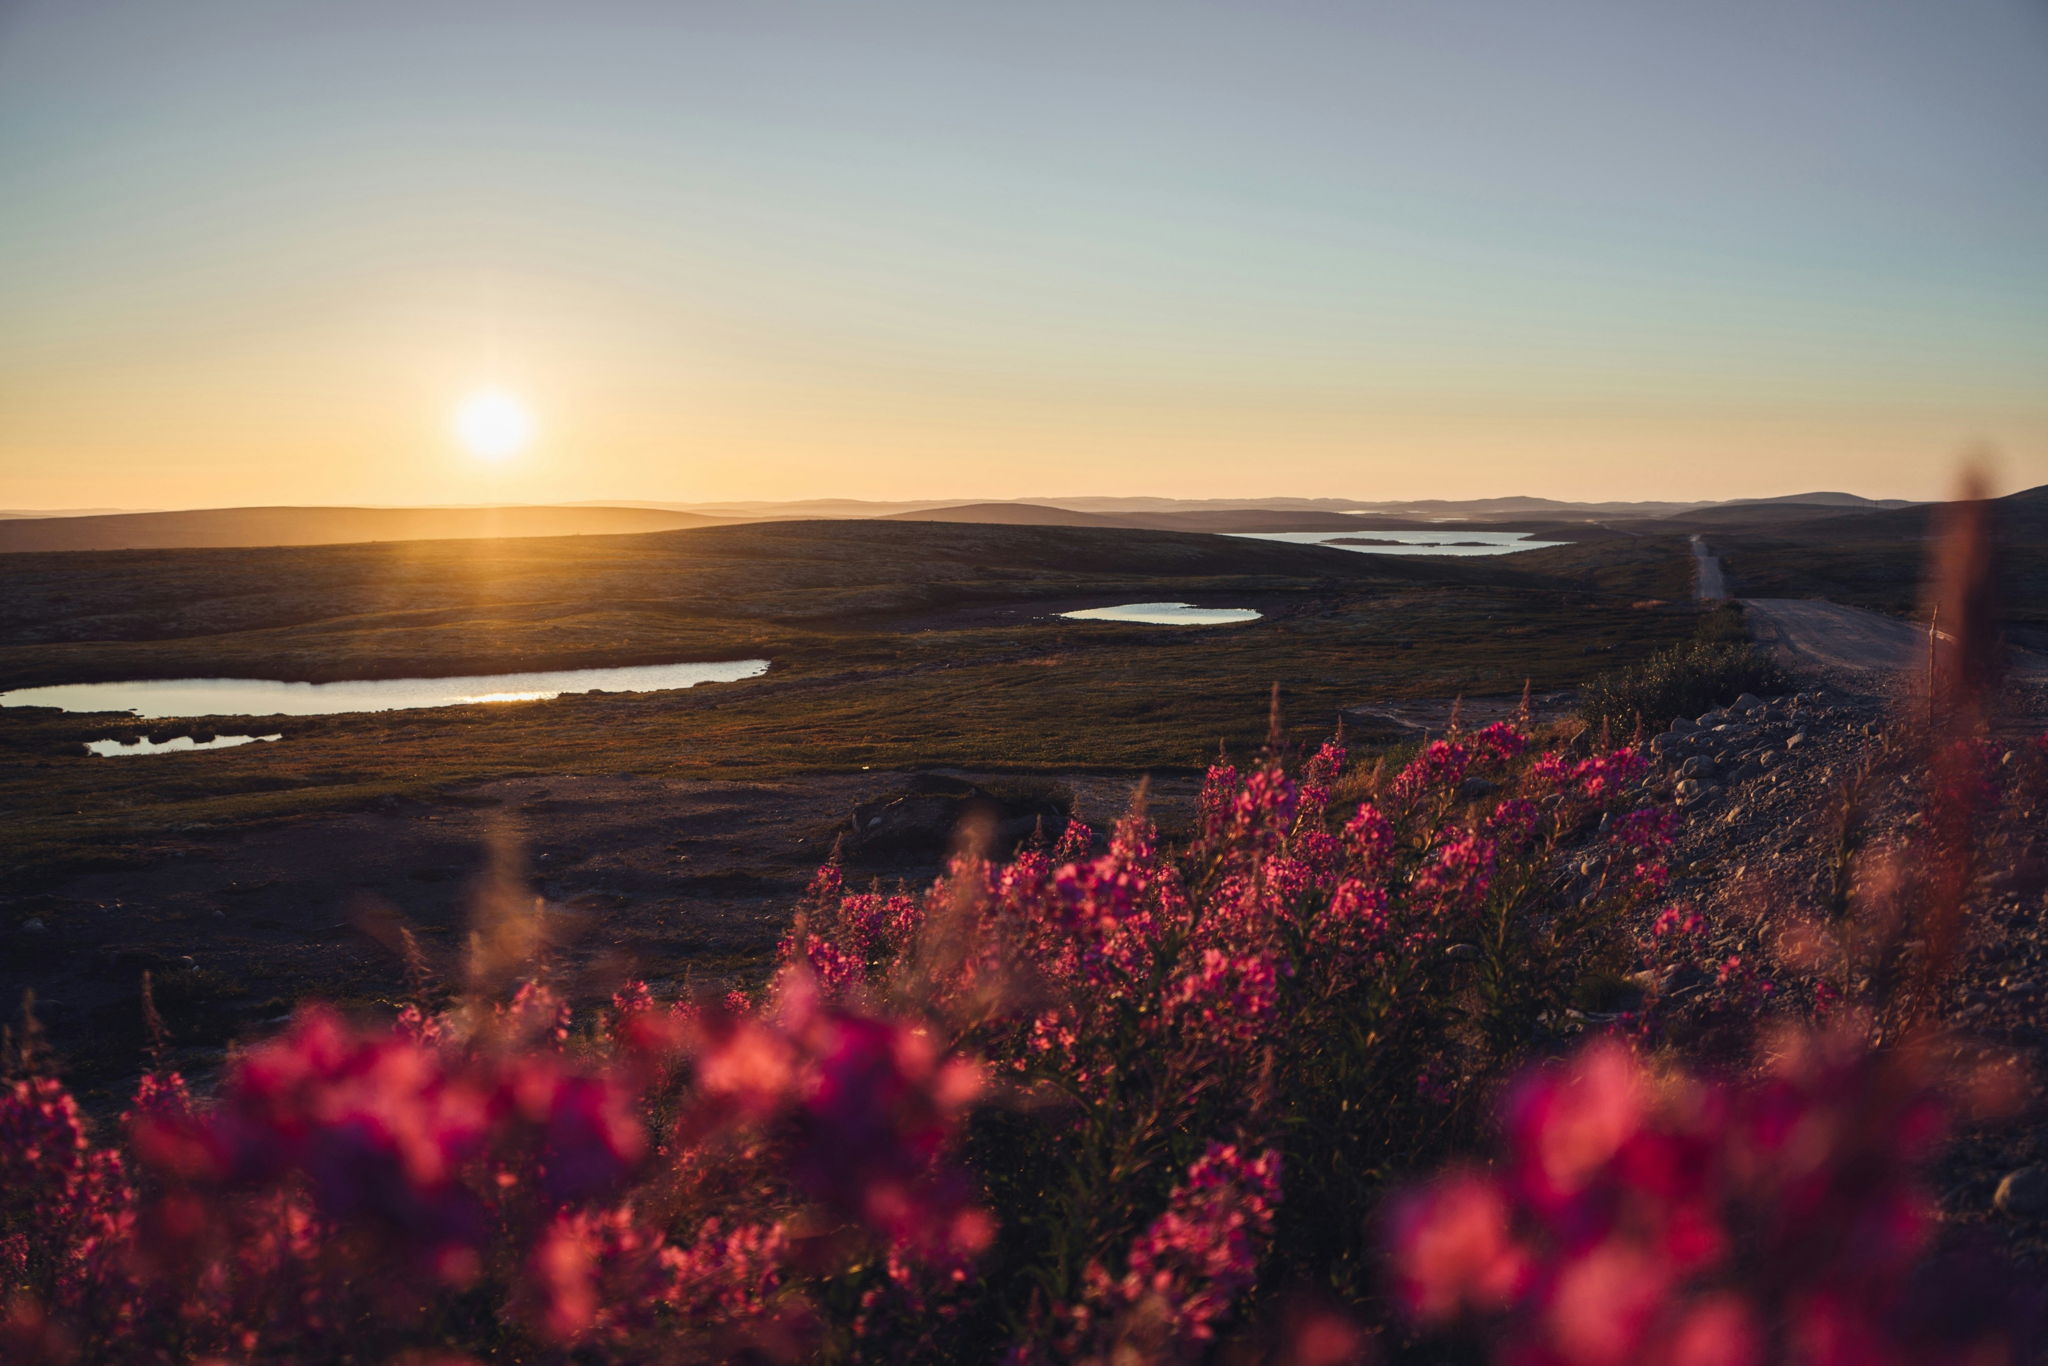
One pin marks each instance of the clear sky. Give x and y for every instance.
(257, 251)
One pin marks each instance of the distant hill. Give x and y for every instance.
(1213, 520)
(268, 526)
(1845, 500)
(1007, 514)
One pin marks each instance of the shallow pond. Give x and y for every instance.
(1165, 614)
(1451, 540)
(177, 745)
(184, 697)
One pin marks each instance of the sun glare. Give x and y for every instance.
(493, 424)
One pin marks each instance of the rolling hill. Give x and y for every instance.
(286, 526)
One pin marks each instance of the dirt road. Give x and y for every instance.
(1709, 583)
(1814, 632)
(1810, 631)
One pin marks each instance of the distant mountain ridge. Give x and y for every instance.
(262, 526)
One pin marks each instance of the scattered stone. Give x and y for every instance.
(2023, 1193)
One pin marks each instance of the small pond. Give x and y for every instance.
(177, 745)
(1451, 540)
(1165, 614)
(185, 697)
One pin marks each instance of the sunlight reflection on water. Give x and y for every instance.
(184, 697)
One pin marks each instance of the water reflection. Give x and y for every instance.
(183, 697)
(1165, 614)
(180, 745)
(1451, 540)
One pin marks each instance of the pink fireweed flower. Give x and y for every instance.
(1431, 776)
(1458, 874)
(868, 1107)
(1369, 837)
(1322, 769)
(1513, 824)
(1188, 1268)
(1568, 1124)
(1499, 744)
(375, 1124)
(1453, 1249)
(1218, 796)
(1228, 999)
(1262, 813)
(1667, 1220)
(66, 1207)
(586, 1137)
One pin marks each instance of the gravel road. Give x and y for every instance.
(1709, 583)
(1812, 632)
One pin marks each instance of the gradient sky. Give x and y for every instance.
(254, 251)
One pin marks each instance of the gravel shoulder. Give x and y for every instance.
(1793, 810)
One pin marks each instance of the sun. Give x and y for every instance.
(493, 424)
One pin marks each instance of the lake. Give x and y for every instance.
(185, 697)
(1165, 614)
(1448, 541)
(180, 744)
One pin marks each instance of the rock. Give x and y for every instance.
(1747, 702)
(1699, 766)
(1462, 953)
(1684, 725)
(2023, 1193)
(1693, 790)
(33, 925)
(1472, 789)
(1795, 739)
(928, 816)
(1745, 772)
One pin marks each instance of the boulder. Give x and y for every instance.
(2023, 1193)
(935, 812)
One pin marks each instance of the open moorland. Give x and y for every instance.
(894, 647)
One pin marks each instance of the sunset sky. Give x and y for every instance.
(261, 251)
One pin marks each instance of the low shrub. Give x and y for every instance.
(1711, 670)
(1103, 1102)
(1079, 1105)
